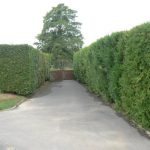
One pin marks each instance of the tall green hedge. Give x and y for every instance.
(117, 67)
(96, 65)
(22, 68)
(135, 80)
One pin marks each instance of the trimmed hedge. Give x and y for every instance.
(96, 65)
(117, 68)
(22, 69)
(135, 80)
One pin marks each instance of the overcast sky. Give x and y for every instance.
(22, 20)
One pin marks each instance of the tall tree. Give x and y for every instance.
(61, 35)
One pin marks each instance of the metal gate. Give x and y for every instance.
(58, 75)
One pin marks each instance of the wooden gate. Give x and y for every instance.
(58, 75)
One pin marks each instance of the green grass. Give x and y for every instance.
(10, 102)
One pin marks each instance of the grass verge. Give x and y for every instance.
(9, 100)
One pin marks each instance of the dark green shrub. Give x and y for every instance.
(115, 72)
(117, 67)
(80, 65)
(22, 68)
(95, 65)
(135, 80)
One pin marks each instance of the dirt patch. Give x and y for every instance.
(7, 96)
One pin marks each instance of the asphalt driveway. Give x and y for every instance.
(64, 116)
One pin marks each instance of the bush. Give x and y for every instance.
(95, 65)
(22, 68)
(80, 65)
(135, 80)
(117, 68)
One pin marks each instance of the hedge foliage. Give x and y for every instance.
(22, 68)
(117, 67)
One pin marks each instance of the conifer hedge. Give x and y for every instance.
(117, 67)
(22, 68)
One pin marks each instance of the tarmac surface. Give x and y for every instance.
(65, 116)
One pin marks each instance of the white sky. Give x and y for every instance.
(22, 20)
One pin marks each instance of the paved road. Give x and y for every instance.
(64, 116)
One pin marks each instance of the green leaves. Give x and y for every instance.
(22, 68)
(135, 77)
(117, 67)
(61, 33)
(99, 63)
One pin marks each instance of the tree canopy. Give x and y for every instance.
(61, 35)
